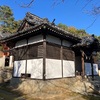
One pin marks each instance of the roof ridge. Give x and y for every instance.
(29, 15)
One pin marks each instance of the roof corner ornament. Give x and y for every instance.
(53, 22)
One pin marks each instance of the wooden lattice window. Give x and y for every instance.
(35, 51)
(20, 53)
(53, 51)
(68, 54)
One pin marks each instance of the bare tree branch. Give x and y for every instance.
(86, 4)
(96, 10)
(92, 23)
(77, 1)
(25, 5)
(30, 3)
(57, 2)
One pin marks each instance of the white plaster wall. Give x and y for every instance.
(66, 43)
(21, 43)
(19, 67)
(95, 69)
(35, 68)
(88, 70)
(11, 61)
(53, 69)
(53, 39)
(68, 68)
(2, 62)
(35, 39)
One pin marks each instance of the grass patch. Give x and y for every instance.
(4, 96)
(91, 97)
(7, 93)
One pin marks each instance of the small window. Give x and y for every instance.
(23, 75)
(7, 62)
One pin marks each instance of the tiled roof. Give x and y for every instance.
(3, 35)
(38, 23)
(87, 42)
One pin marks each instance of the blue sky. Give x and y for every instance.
(70, 13)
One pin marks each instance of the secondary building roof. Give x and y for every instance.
(3, 35)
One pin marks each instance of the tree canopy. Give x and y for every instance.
(73, 30)
(78, 32)
(7, 21)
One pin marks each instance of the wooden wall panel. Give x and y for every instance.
(68, 54)
(20, 53)
(53, 51)
(28, 52)
(32, 51)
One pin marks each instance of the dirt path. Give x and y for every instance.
(5, 95)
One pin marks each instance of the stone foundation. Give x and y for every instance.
(52, 87)
(5, 74)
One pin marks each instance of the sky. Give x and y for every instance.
(70, 12)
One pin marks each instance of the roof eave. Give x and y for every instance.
(52, 28)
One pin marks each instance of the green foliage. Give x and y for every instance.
(81, 33)
(1, 48)
(98, 55)
(7, 22)
(73, 30)
(78, 32)
(62, 26)
(98, 38)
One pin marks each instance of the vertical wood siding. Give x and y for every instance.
(53, 51)
(68, 54)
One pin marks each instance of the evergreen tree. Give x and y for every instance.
(7, 22)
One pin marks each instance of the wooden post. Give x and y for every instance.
(26, 59)
(44, 56)
(61, 54)
(92, 67)
(82, 59)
